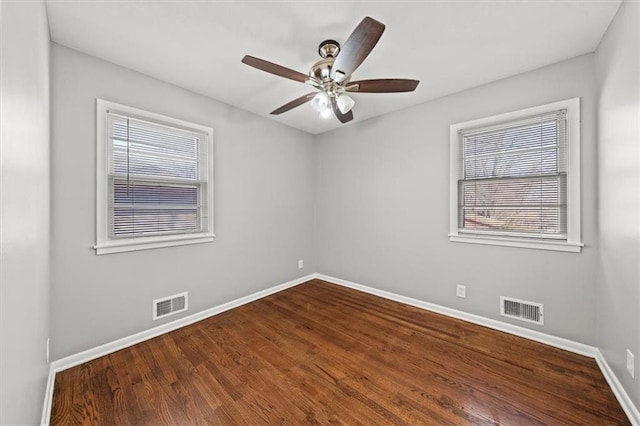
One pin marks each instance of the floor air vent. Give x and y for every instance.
(169, 305)
(521, 310)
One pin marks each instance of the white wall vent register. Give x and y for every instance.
(170, 305)
(521, 310)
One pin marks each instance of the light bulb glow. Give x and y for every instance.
(345, 103)
(326, 113)
(320, 102)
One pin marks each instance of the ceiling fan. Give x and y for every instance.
(331, 75)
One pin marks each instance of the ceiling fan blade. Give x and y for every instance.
(276, 69)
(357, 47)
(344, 118)
(382, 85)
(294, 103)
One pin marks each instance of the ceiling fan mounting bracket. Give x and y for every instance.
(329, 49)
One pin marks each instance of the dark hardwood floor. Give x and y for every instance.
(321, 353)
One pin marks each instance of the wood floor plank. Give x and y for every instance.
(320, 353)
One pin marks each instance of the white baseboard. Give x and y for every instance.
(48, 397)
(623, 397)
(107, 348)
(547, 339)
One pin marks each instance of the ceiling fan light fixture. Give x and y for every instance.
(325, 113)
(345, 103)
(320, 102)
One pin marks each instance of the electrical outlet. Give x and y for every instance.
(631, 363)
(461, 291)
(300, 264)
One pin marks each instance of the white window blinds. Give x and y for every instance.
(514, 178)
(157, 178)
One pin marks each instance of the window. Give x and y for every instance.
(515, 179)
(154, 180)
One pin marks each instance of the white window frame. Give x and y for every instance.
(106, 245)
(573, 242)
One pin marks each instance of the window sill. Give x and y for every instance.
(571, 247)
(144, 243)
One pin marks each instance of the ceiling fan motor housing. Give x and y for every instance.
(321, 70)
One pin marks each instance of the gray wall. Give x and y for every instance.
(618, 94)
(264, 212)
(24, 219)
(383, 217)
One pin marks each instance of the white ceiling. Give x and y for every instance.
(448, 45)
